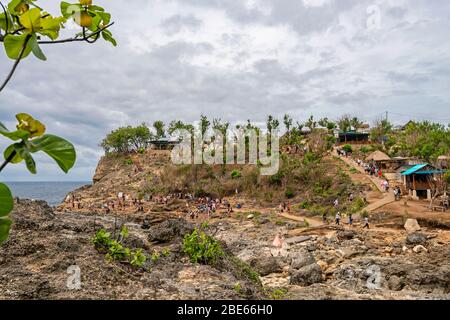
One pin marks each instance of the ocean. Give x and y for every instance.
(52, 192)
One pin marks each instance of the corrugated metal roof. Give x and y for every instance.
(414, 169)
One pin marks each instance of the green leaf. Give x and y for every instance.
(15, 135)
(5, 226)
(31, 20)
(6, 200)
(106, 17)
(3, 22)
(17, 158)
(15, 44)
(107, 35)
(51, 26)
(36, 49)
(13, 5)
(61, 150)
(68, 9)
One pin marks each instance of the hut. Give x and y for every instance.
(381, 159)
(417, 180)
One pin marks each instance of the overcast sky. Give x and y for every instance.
(237, 60)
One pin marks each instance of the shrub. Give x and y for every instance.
(289, 193)
(138, 258)
(236, 174)
(305, 205)
(128, 162)
(116, 251)
(277, 178)
(365, 150)
(202, 248)
(347, 148)
(278, 294)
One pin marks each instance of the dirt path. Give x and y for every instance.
(387, 197)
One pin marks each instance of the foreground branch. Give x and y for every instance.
(86, 38)
(15, 64)
(8, 160)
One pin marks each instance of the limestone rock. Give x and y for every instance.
(412, 226)
(307, 276)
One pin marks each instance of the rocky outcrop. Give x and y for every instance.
(169, 230)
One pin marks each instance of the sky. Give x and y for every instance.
(234, 60)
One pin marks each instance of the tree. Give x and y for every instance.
(23, 24)
(160, 130)
(311, 123)
(287, 120)
(127, 139)
(438, 186)
(345, 123)
(204, 124)
(380, 131)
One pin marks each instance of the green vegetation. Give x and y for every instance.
(116, 251)
(347, 148)
(244, 269)
(278, 294)
(202, 248)
(29, 138)
(236, 174)
(127, 139)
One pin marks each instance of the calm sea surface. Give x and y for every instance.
(52, 192)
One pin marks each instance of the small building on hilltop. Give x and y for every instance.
(418, 180)
(352, 137)
(163, 144)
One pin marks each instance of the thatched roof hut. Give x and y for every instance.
(378, 156)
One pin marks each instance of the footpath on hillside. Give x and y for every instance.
(388, 197)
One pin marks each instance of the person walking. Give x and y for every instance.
(350, 219)
(366, 223)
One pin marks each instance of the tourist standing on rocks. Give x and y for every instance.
(324, 218)
(338, 219)
(350, 219)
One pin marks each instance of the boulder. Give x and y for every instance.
(395, 283)
(266, 266)
(412, 226)
(416, 238)
(346, 234)
(169, 230)
(307, 276)
(302, 259)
